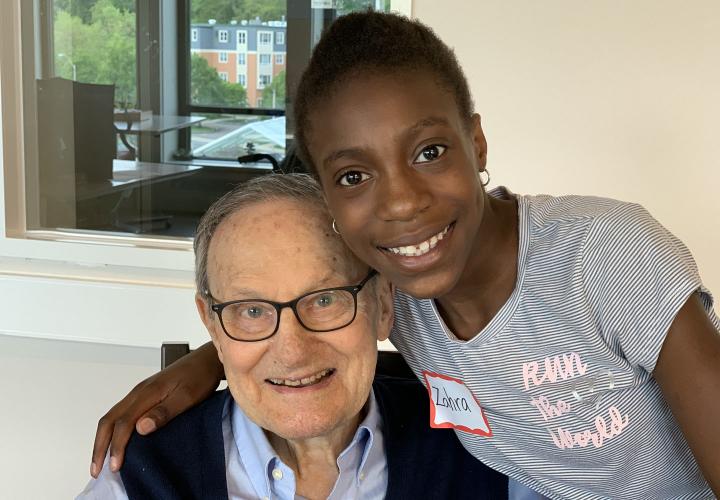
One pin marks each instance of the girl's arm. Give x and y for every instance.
(688, 372)
(156, 401)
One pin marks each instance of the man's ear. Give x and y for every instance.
(479, 142)
(208, 318)
(386, 314)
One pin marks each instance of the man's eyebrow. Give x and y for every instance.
(241, 293)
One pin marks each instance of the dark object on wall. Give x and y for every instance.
(76, 148)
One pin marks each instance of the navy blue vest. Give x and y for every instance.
(186, 458)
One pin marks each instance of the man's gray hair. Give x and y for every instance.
(297, 187)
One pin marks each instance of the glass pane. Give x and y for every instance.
(223, 136)
(133, 127)
(238, 58)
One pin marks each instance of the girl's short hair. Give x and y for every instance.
(363, 42)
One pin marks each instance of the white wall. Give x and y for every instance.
(613, 98)
(52, 394)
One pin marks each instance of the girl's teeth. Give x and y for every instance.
(420, 248)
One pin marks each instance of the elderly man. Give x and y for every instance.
(295, 319)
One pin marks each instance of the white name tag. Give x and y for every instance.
(453, 406)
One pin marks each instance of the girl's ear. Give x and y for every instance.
(208, 318)
(479, 142)
(386, 314)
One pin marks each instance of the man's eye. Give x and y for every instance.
(324, 300)
(254, 311)
(352, 178)
(430, 153)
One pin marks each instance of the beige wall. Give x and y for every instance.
(607, 97)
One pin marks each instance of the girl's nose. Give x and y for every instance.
(402, 195)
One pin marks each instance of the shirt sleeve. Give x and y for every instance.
(108, 486)
(637, 276)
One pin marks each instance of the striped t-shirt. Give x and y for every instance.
(563, 370)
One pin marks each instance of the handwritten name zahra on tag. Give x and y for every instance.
(453, 406)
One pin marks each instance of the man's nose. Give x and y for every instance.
(293, 343)
(402, 194)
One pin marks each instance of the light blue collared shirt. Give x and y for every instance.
(254, 470)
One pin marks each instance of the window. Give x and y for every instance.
(280, 37)
(131, 185)
(279, 59)
(264, 38)
(223, 57)
(264, 59)
(241, 37)
(222, 36)
(241, 59)
(264, 80)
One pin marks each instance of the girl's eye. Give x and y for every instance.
(430, 153)
(352, 178)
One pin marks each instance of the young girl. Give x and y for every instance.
(568, 340)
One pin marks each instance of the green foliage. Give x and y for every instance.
(83, 8)
(101, 50)
(207, 88)
(224, 11)
(277, 86)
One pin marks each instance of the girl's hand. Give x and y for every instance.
(154, 402)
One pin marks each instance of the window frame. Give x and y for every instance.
(223, 56)
(260, 43)
(223, 36)
(261, 84)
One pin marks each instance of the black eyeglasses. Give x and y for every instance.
(323, 310)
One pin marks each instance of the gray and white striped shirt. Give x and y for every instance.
(563, 371)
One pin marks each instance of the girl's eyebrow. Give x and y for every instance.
(341, 153)
(409, 133)
(426, 122)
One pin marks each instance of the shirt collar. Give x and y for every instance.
(259, 458)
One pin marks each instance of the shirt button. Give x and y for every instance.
(362, 476)
(265, 498)
(277, 474)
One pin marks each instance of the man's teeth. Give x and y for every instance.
(301, 382)
(420, 248)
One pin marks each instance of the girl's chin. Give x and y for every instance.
(425, 287)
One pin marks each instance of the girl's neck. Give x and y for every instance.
(490, 274)
(314, 460)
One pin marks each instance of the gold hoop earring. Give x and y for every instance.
(335, 227)
(485, 182)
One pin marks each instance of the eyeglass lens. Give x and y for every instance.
(321, 311)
